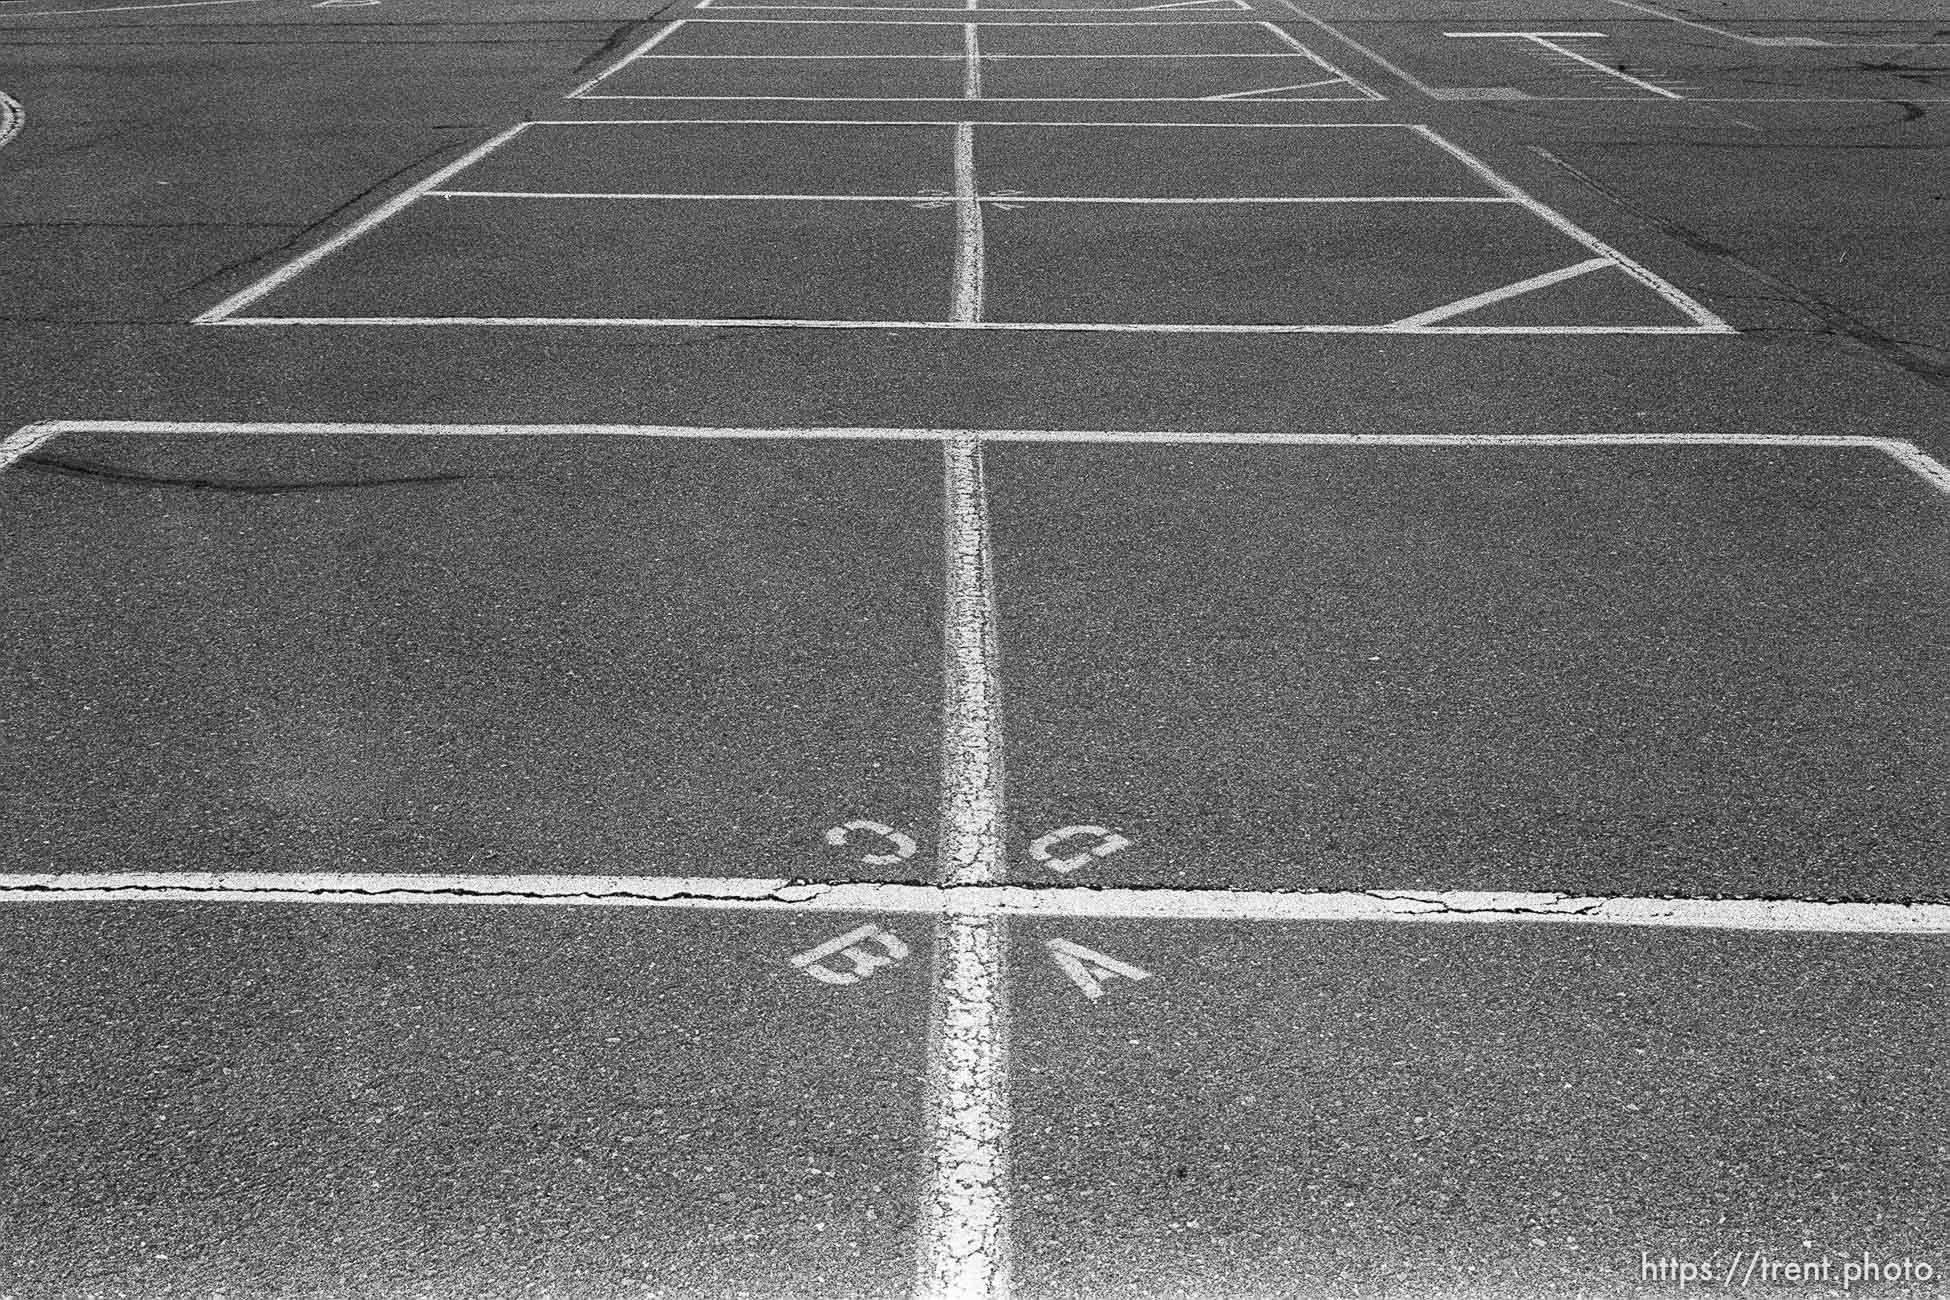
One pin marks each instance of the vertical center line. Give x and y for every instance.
(964, 1232)
(971, 52)
(969, 256)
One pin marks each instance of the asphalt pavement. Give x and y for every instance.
(1045, 648)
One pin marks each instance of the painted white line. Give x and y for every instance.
(971, 796)
(987, 901)
(1540, 39)
(13, 118)
(1393, 70)
(665, 57)
(1719, 31)
(964, 1232)
(1687, 305)
(1305, 51)
(655, 40)
(1907, 454)
(984, 198)
(971, 50)
(222, 312)
(970, 256)
(1078, 123)
(1516, 289)
(1271, 90)
(948, 99)
(23, 442)
(1068, 327)
(122, 9)
(957, 21)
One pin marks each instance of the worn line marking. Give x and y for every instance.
(121, 9)
(1906, 454)
(1003, 198)
(635, 54)
(23, 442)
(999, 125)
(988, 902)
(1363, 50)
(970, 257)
(222, 312)
(1084, 327)
(971, 49)
(13, 118)
(963, 1250)
(1520, 287)
(1271, 90)
(1541, 40)
(1686, 303)
(1287, 38)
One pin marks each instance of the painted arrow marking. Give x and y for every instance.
(1088, 968)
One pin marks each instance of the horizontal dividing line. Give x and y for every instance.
(960, 121)
(985, 57)
(1096, 327)
(1911, 457)
(944, 198)
(1268, 96)
(966, 16)
(787, 896)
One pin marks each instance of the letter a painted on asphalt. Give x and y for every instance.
(1088, 969)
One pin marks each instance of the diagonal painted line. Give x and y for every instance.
(1274, 90)
(1691, 307)
(391, 207)
(1519, 288)
(642, 49)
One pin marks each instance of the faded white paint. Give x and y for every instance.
(1906, 454)
(963, 1242)
(987, 902)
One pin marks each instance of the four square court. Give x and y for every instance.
(1314, 227)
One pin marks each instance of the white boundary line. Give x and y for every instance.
(627, 59)
(980, 198)
(1058, 327)
(1907, 454)
(1540, 40)
(120, 9)
(964, 1231)
(1288, 38)
(1707, 321)
(1520, 287)
(221, 313)
(960, 19)
(1704, 320)
(781, 896)
(1374, 58)
(971, 267)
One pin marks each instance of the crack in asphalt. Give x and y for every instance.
(617, 39)
(1838, 321)
(305, 233)
(81, 469)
